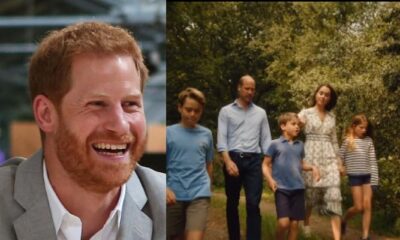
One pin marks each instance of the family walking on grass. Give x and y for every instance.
(303, 176)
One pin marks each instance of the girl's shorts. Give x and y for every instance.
(358, 180)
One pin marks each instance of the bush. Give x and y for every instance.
(387, 197)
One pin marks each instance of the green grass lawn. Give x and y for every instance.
(379, 224)
(268, 220)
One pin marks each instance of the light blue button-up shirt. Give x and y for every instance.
(243, 130)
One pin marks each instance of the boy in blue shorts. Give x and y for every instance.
(189, 169)
(282, 168)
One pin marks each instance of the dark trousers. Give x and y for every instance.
(250, 176)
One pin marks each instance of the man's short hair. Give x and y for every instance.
(286, 117)
(191, 93)
(50, 66)
(241, 80)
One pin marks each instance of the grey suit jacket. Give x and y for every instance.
(25, 211)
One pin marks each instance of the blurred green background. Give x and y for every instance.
(23, 23)
(290, 48)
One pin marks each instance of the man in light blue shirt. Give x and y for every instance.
(243, 137)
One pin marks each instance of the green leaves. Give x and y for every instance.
(290, 48)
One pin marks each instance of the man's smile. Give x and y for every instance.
(111, 149)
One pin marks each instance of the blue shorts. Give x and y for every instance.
(358, 180)
(290, 203)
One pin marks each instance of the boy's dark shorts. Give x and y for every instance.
(290, 203)
(358, 180)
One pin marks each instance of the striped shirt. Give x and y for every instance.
(361, 160)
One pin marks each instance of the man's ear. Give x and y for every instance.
(45, 113)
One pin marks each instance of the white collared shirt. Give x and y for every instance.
(69, 227)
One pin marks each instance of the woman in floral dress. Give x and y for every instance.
(321, 150)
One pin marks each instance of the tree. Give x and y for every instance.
(290, 48)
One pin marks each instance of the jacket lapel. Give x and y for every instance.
(154, 185)
(36, 223)
(135, 224)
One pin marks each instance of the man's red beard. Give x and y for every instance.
(92, 174)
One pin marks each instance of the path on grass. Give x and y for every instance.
(217, 230)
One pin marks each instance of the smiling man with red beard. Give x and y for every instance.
(86, 83)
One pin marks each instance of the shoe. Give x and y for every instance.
(367, 238)
(343, 226)
(307, 231)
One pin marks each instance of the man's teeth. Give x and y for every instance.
(110, 146)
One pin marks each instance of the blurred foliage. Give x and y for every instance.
(290, 48)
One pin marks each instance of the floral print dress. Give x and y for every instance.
(322, 150)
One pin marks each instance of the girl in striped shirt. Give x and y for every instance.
(358, 154)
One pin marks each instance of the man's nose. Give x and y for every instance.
(116, 120)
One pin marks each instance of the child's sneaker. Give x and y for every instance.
(307, 231)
